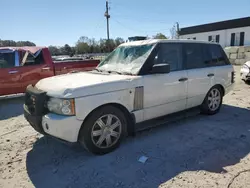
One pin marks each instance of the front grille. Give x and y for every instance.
(35, 101)
(30, 102)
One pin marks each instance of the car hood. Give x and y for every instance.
(83, 84)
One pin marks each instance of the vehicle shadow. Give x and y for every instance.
(198, 143)
(11, 107)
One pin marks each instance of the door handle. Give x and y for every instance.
(183, 79)
(46, 68)
(13, 72)
(210, 75)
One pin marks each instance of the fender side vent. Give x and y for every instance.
(138, 100)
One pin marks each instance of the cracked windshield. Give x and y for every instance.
(126, 59)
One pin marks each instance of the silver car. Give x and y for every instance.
(245, 72)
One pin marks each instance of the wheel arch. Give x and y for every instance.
(130, 129)
(221, 87)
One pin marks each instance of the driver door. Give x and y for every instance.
(166, 93)
(9, 73)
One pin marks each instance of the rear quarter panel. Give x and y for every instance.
(223, 75)
(31, 74)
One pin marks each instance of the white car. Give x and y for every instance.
(245, 72)
(138, 81)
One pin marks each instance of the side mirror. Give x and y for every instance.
(161, 69)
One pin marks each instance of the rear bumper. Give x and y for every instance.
(65, 128)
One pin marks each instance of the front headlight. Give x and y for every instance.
(61, 106)
(245, 67)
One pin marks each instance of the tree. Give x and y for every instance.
(103, 45)
(160, 36)
(82, 45)
(12, 43)
(66, 50)
(119, 41)
(54, 50)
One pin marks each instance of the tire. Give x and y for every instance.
(103, 130)
(247, 82)
(211, 105)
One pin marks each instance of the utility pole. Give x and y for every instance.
(107, 17)
(178, 29)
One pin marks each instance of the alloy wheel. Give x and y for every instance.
(106, 131)
(214, 99)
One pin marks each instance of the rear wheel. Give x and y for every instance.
(103, 131)
(212, 103)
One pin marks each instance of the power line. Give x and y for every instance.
(125, 26)
(146, 19)
(135, 30)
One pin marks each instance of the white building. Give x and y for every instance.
(228, 33)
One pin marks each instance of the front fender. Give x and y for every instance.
(85, 105)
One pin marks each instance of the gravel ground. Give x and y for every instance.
(201, 151)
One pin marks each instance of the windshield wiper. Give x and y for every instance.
(121, 73)
(115, 72)
(98, 70)
(127, 73)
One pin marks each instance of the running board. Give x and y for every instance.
(167, 119)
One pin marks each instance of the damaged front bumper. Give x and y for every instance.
(62, 127)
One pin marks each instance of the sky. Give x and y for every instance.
(59, 22)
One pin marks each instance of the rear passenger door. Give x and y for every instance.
(33, 69)
(200, 74)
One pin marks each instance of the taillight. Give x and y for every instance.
(233, 77)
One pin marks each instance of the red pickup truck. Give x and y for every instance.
(21, 66)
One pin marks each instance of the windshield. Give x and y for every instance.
(126, 59)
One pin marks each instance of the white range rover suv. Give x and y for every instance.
(137, 82)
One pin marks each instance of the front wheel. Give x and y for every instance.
(247, 82)
(213, 101)
(103, 130)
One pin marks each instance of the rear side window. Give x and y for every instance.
(32, 59)
(193, 54)
(218, 56)
(170, 54)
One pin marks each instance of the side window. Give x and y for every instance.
(32, 59)
(194, 56)
(7, 60)
(170, 54)
(218, 56)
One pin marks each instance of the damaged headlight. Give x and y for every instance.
(61, 106)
